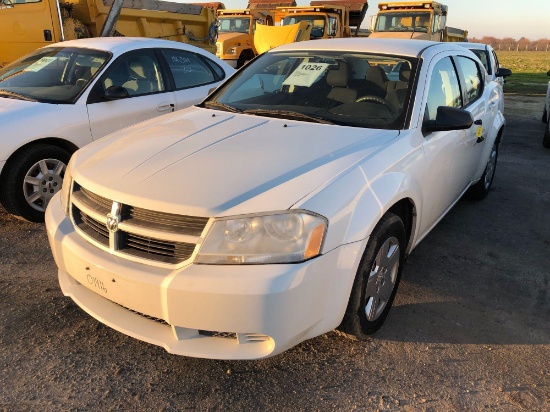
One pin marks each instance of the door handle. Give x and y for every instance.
(478, 122)
(164, 106)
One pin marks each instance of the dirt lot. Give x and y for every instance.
(469, 330)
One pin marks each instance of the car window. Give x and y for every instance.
(350, 89)
(484, 57)
(54, 75)
(188, 69)
(472, 78)
(138, 72)
(496, 64)
(444, 88)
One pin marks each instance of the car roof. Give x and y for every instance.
(401, 47)
(119, 45)
(476, 46)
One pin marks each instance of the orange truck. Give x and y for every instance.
(26, 25)
(422, 20)
(236, 28)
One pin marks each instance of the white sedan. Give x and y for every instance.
(61, 97)
(284, 205)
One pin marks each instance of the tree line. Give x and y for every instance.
(508, 43)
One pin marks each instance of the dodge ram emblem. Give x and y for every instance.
(112, 223)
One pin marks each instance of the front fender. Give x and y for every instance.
(354, 205)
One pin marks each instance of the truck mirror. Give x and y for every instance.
(115, 93)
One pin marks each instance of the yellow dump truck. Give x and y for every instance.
(26, 25)
(328, 19)
(423, 20)
(235, 44)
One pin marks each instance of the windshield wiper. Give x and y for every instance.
(222, 106)
(286, 114)
(12, 95)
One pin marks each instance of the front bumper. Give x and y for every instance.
(208, 311)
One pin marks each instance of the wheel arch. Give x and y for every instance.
(52, 141)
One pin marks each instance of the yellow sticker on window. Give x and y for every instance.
(479, 132)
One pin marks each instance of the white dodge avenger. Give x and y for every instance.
(284, 205)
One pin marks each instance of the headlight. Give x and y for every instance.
(66, 188)
(285, 237)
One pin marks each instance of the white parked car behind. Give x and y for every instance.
(488, 57)
(61, 97)
(284, 205)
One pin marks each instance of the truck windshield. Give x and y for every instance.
(234, 24)
(52, 75)
(350, 89)
(403, 21)
(317, 23)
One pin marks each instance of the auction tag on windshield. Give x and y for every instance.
(306, 74)
(40, 64)
(479, 132)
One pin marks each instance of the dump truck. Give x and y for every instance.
(26, 25)
(422, 20)
(235, 44)
(329, 19)
(323, 20)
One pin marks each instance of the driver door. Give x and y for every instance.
(140, 74)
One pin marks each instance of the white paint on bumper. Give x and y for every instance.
(269, 308)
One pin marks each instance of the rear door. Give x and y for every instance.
(140, 74)
(193, 76)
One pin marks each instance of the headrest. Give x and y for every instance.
(339, 77)
(140, 66)
(376, 75)
(404, 72)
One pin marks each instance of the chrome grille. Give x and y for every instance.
(168, 222)
(149, 248)
(142, 233)
(96, 230)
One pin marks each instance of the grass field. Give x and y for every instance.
(529, 71)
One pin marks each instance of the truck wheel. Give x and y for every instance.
(376, 280)
(545, 116)
(30, 180)
(481, 189)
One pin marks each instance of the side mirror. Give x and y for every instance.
(449, 118)
(115, 93)
(502, 72)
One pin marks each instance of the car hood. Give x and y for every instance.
(212, 163)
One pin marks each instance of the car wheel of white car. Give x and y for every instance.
(480, 190)
(32, 177)
(545, 116)
(376, 280)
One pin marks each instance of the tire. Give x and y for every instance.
(30, 178)
(545, 116)
(546, 138)
(480, 190)
(376, 281)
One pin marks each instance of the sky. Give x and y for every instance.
(497, 18)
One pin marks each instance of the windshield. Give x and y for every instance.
(403, 21)
(317, 23)
(234, 25)
(52, 75)
(350, 89)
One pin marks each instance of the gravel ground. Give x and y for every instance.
(469, 329)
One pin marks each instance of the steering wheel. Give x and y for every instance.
(377, 99)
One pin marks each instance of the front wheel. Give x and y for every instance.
(481, 189)
(30, 180)
(376, 280)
